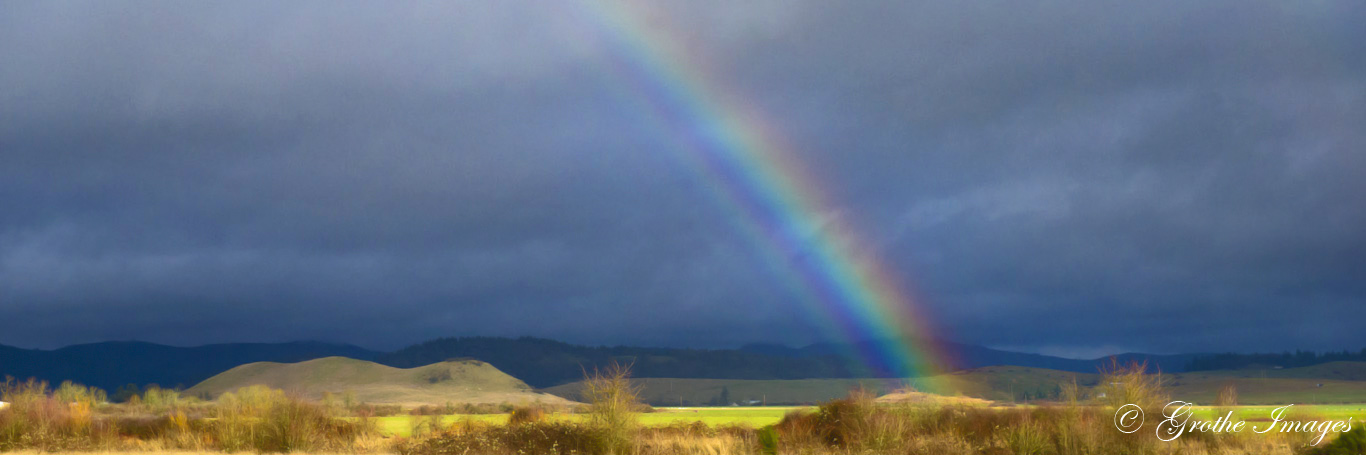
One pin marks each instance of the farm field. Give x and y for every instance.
(712, 416)
(1301, 412)
(757, 417)
(688, 393)
(1333, 383)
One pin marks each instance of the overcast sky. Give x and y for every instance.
(1069, 177)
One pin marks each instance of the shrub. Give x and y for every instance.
(1028, 438)
(797, 429)
(1228, 395)
(264, 419)
(375, 410)
(159, 400)
(427, 410)
(1122, 384)
(538, 438)
(1226, 401)
(1349, 443)
(421, 425)
(526, 414)
(768, 441)
(612, 401)
(52, 421)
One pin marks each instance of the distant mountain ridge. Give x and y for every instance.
(544, 363)
(547, 363)
(112, 364)
(539, 362)
(966, 356)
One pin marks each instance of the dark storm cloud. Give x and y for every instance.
(1066, 177)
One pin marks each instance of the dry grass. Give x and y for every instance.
(695, 439)
(150, 452)
(259, 419)
(43, 419)
(251, 419)
(859, 424)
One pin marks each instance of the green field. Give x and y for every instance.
(679, 392)
(1299, 412)
(761, 416)
(751, 416)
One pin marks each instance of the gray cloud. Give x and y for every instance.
(1066, 176)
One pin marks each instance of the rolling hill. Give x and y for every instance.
(1341, 371)
(464, 381)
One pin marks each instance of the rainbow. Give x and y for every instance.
(774, 201)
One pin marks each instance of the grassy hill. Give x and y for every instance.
(1287, 386)
(1341, 371)
(1005, 383)
(1337, 382)
(466, 381)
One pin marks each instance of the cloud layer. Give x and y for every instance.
(1166, 176)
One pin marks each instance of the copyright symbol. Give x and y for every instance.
(1129, 418)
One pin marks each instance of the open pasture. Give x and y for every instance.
(1357, 412)
(758, 417)
(755, 417)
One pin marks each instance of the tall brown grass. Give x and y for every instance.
(266, 420)
(254, 418)
(261, 419)
(856, 422)
(858, 425)
(61, 420)
(611, 427)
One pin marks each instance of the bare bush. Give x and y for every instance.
(526, 414)
(612, 405)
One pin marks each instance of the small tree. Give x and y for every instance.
(1122, 384)
(1228, 395)
(1227, 399)
(124, 393)
(612, 404)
